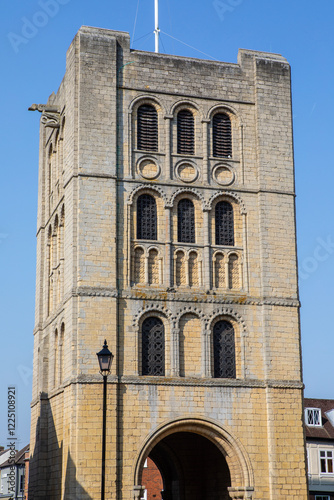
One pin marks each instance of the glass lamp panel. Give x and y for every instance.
(104, 362)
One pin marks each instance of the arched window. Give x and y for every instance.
(222, 136)
(153, 347)
(186, 221)
(147, 131)
(224, 223)
(146, 218)
(223, 350)
(185, 133)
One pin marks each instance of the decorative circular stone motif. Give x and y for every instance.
(223, 175)
(187, 172)
(148, 169)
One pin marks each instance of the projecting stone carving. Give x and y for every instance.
(50, 114)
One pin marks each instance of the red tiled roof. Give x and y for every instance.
(326, 431)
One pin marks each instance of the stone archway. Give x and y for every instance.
(198, 460)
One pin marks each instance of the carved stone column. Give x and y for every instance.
(241, 492)
(175, 357)
(200, 271)
(207, 353)
(187, 269)
(146, 266)
(138, 492)
(207, 260)
(169, 260)
(227, 271)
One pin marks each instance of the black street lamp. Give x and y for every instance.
(105, 358)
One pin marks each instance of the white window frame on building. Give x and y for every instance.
(322, 497)
(326, 457)
(313, 417)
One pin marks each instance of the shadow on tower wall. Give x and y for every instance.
(47, 464)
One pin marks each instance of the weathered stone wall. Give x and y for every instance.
(89, 291)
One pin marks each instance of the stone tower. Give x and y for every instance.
(166, 225)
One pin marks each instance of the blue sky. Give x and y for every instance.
(35, 35)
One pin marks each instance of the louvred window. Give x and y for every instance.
(222, 136)
(147, 134)
(185, 133)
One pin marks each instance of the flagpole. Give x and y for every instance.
(156, 29)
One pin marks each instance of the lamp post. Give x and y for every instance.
(105, 358)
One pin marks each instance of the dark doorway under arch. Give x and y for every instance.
(192, 468)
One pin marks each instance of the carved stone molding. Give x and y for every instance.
(193, 191)
(150, 308)
(50, 120)
(191, 382)
(174, 295)
(190, 310)
(281, 302)
(186, 171)
(91, 291)
(149, 187)
(179, 381)
(231, 194)
(223, 174)
(148, 167)
(146, 99)
(225, 311)
(224, 108)
(186, 103)
(50, 114)
(241, 493)
(289, 384)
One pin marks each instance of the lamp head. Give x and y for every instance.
(105, 358)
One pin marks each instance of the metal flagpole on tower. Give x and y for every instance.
(156, 30)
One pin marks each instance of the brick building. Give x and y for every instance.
(166, 224)
(152, 481)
